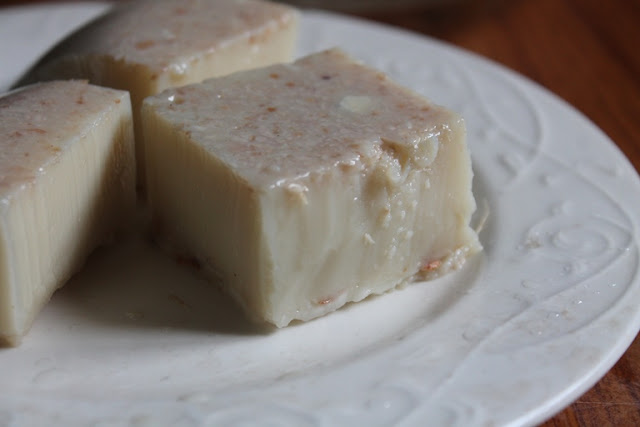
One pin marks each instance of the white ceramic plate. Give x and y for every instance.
(137, 339)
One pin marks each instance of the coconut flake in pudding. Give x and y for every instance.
(305, 186)
(146, 46)
(67, 181)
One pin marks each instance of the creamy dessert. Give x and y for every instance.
(67, 181)
(146, 46)
(305, 186)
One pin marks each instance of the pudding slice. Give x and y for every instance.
(67, 181)
(305, 186)
(146, 46)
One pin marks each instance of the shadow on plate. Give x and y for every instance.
(135, 285)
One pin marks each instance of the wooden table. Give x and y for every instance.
(587, 52)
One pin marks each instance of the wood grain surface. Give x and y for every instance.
(587, 52)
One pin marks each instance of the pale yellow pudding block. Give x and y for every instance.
(67, 181)
(146, 46)
(305, 186)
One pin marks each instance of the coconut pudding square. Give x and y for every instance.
(146, 46)
(67, 182)
(301, 187)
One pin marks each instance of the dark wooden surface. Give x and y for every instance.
(587, 52)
